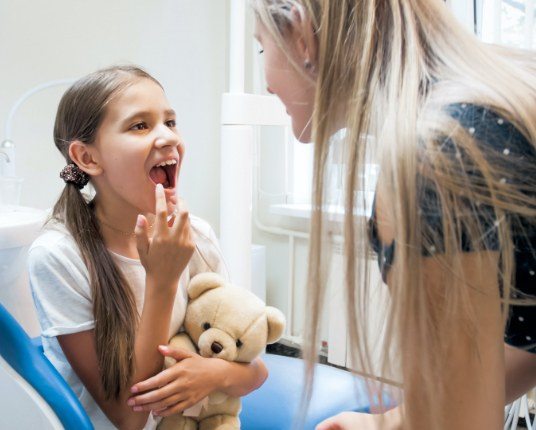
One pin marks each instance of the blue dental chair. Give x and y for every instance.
(275, 404)
(42, 396)
(55, 406)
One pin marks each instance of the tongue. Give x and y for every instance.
(158, 175)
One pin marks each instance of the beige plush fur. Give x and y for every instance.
(220, 315)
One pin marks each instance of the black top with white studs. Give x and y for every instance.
(510, 151)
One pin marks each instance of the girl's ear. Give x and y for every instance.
(82, 155)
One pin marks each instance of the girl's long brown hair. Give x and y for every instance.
(80, 113)
(393, 67)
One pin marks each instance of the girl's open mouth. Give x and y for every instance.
(165, 173)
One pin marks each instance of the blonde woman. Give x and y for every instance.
(453, 126)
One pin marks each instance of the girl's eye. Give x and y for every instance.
(171, 123)
(139, 126)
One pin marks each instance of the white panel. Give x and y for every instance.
(378, 305)
(337, 325)
(236, 200)
(258, 271)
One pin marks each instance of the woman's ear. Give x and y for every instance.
(82, 155)
(305, 40)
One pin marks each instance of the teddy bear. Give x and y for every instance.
(226, 322)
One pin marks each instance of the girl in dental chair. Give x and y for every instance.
(109, 274)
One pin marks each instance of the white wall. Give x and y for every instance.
(182, 43)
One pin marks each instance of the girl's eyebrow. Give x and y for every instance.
(145, 113)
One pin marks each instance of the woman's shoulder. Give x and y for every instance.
(479, 116)
(498, 138)
(489, 125)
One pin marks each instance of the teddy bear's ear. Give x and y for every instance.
(204, 282)
(276, 324)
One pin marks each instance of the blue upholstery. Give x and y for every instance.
(275, 404)
(26, 357)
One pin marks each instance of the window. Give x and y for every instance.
(507, 22)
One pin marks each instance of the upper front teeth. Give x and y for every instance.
(166, 163)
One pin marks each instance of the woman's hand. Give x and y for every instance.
(179, 387)
(349, 421)
(391, 420)
(167, 253)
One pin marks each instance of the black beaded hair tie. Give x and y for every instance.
(72, 174)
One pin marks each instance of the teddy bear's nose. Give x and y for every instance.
(216, 347)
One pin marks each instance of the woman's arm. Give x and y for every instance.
(194, 377)
(474, 382)
(473, 368)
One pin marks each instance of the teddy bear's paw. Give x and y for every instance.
(177, 422)
(220, 422)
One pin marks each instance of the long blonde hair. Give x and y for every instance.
(393, 67)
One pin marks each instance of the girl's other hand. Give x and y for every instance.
(180, 386)
(167, 253)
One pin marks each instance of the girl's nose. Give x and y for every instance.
(166, 138)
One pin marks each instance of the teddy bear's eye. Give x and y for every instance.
(239, 343)
(206, 326)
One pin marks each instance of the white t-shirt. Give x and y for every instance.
(59, 280)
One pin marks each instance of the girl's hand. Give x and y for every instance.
(167, 253)
(179, 387)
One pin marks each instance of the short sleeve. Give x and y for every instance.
(208, 256)
(480, 217)
(59, 281)
(502, 144)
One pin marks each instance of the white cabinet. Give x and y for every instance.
(339, 352)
